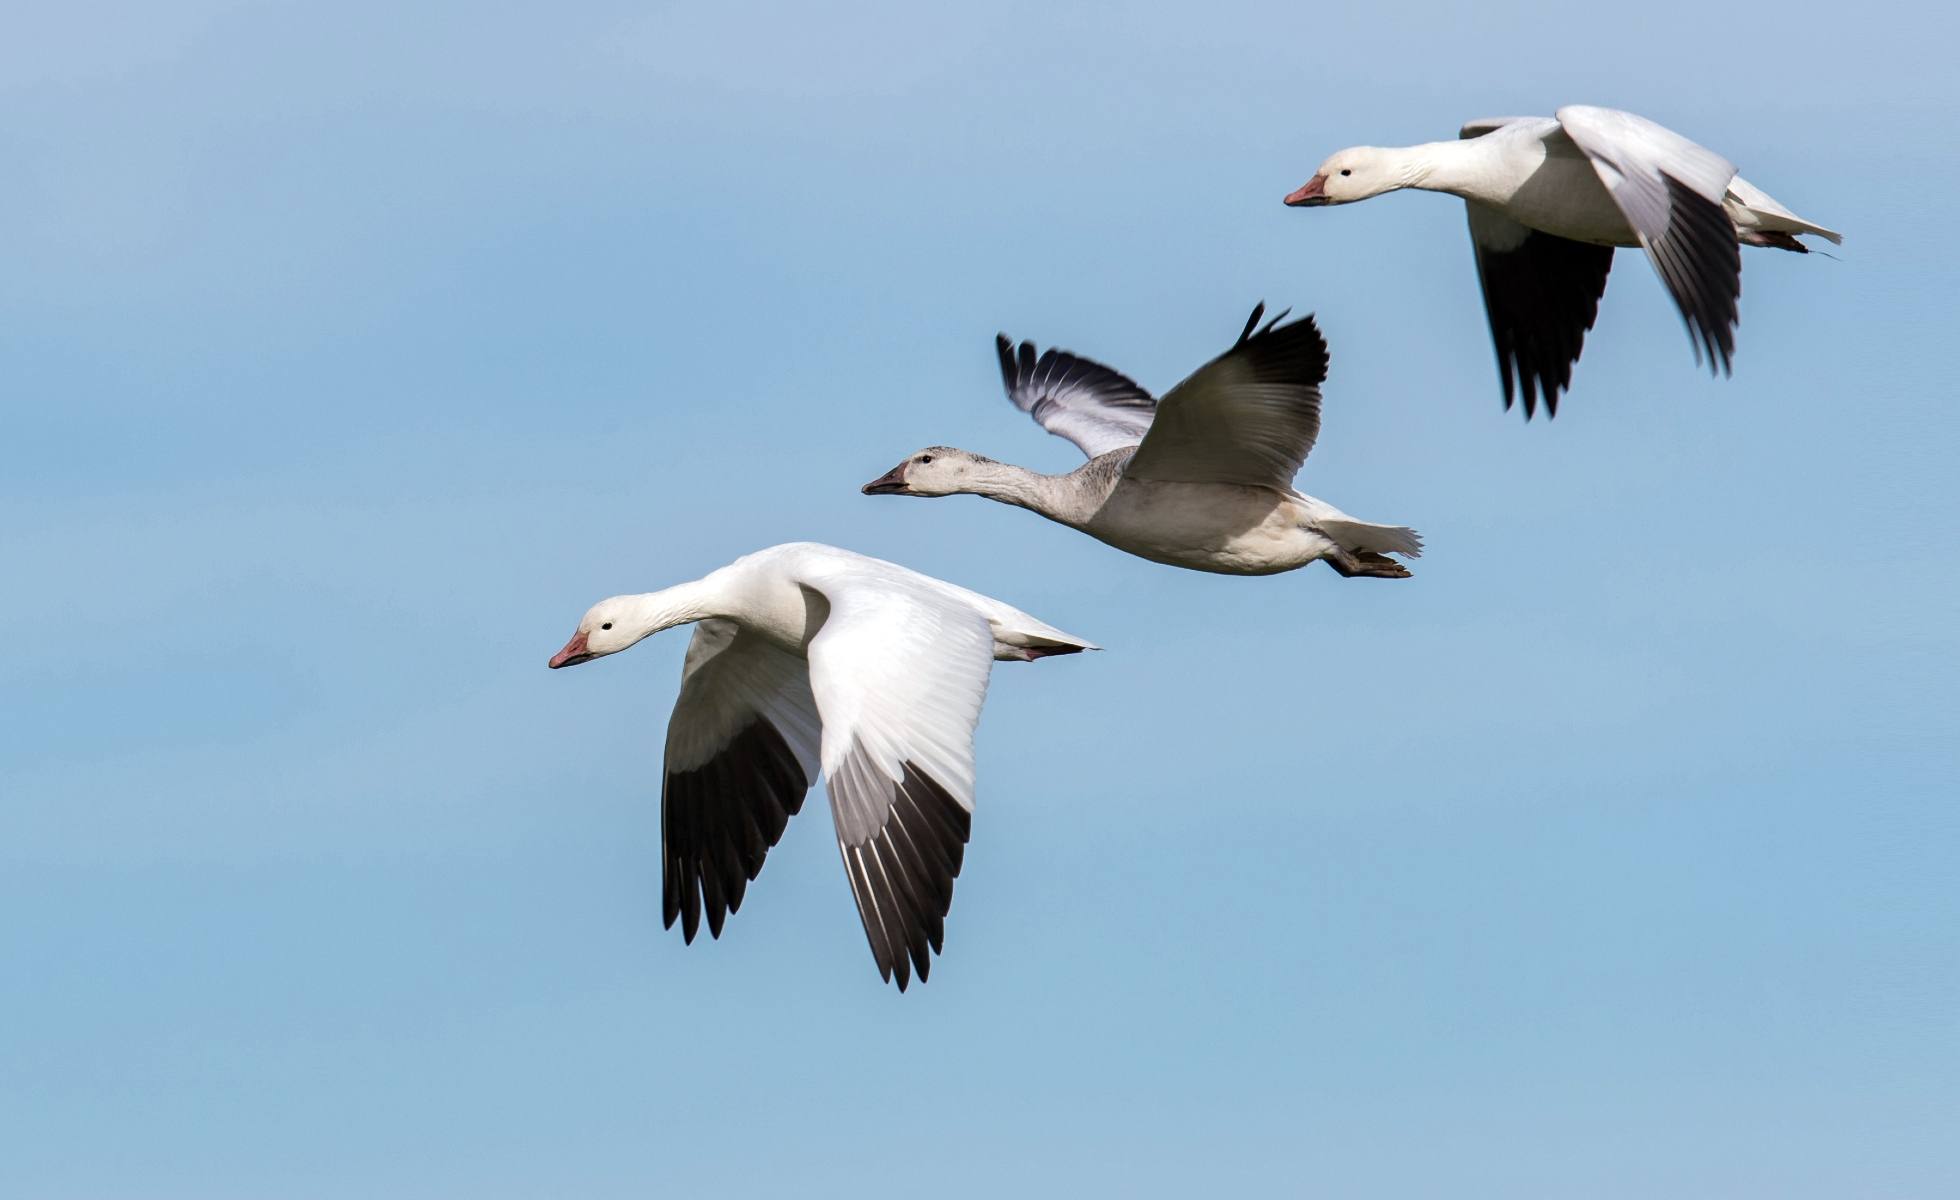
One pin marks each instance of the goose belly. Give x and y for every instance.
(1565, 197)
(1223, 528)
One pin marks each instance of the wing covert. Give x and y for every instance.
(1249, 416)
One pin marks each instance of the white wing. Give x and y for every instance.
(1484, 125)
(1249, 416)
(899, 672)
(1096, 408)
(1671, 190)
(741, 753)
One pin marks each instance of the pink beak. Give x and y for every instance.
(891, 483)
(1312, 192)
(574, 652)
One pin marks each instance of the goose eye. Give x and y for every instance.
(607, 625)
(925, 458)
(1347, 170)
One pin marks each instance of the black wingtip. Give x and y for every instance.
(1700, 260)
(1254, 329)
(718, 822)
(1251, 323)
(1541, 298)
(1533, 399)
(1294, 353)
(902, 876)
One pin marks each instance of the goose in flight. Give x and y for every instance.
(1201, 479)
(806, 655)
(1549, 199)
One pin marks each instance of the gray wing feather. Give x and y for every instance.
(1089, 404)
(1249, 416)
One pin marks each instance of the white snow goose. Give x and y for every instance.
(805, 654)
(1549, 199)
(1201, 479)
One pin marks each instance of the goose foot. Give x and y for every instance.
(1365, 564)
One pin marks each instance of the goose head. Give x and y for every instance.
(933, 471)
(607, 628)
(1352, 174)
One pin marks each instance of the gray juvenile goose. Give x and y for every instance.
(1201, 479)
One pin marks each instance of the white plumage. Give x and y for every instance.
(804, 656)
(1550, 197)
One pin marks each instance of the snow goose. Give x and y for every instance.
(803, 655)
(1549, 199)
(1201, 479)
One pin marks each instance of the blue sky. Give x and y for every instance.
(347, 354)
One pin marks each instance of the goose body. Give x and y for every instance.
(1200, 479)
(1549, 199)
(1225, 528)
(806, 657)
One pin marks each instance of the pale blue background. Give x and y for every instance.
(348, 352)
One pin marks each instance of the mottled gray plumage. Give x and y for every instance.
(1201, 479)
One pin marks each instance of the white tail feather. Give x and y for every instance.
(1751, 208)
(1381, 539)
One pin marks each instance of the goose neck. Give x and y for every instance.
(682, 604)
(1456, 167)
(1018, 486)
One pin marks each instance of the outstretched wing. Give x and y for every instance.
(1249, 416)
(1541, 293)
(1096, 408)
(899, 673)
(741, 753)
(1671, 191)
